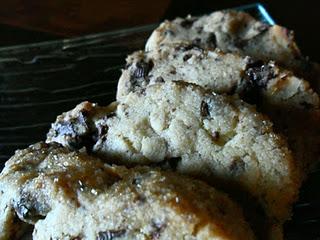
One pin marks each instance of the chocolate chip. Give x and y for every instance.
(240, 43)
(196, 42)
(187, 23)
(237, 166)
(204, 109)
(157, 227)
(111, 234)
(140, 199)
(142, 91)
(137, 181)
(258, 73)
(127, 65)
(102, 129)
(199, 29)
(252, 63)
(186, 57)
(159, 80)
(188, 47)
(173, 71)
(173, 162)
(260, 76)
(215, 135)
(167, 164)
(212, 41)
(69, 127)
(142, 69)
(76, 238)
(29, 209)
(77, 129)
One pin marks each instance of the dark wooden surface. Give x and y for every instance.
(301, 16)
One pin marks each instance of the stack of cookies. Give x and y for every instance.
(214, 128)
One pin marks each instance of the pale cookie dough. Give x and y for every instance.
(237, 32)
(70, 195)
(290, 102)
(214, 137)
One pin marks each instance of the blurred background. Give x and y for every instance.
(24, 21)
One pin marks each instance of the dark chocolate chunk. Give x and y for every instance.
(251, 63)
(77, 238)
(142, 69)
(186, 57)
(173, 71)
(173, 162)
(140, 199)
(75, 129)
(157, 229)
(196, 42)
(102, 129)
(168, 164)
(160, 80)
(29, 209)
(111, 115)
(199, 29)
(111, 234)
(187, 23)
(212, 41)
(240, 43)
(237, 166)
(215, 135)
(137, 181)
(127, 65)
(204, 109)
(260, 76)
(188, 47)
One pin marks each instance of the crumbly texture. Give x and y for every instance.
(290, 102)
(231, 31)
(213, 137)
(237, 32)
(70, 195)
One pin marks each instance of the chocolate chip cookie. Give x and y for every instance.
(60, 194)
(217, 138)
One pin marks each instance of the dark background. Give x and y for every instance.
(300, 16)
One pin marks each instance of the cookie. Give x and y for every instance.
(290, 102)
(217, 138)
(237, 32)
(70, 195)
